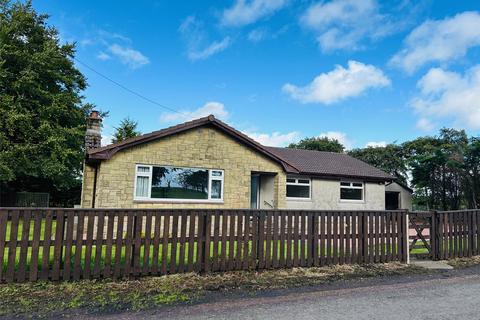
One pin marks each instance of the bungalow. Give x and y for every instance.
(205, 163)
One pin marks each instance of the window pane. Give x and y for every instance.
(142, 187)
(347, 184)
(216, 189)
(179, 183)
(291, 180)
(357, 184)
(296, 191)
(143, 169)
(216, 173)
(306, 181)
(351, 194)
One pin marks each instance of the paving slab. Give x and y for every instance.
(429, 264)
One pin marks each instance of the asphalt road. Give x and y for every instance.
(448, 296)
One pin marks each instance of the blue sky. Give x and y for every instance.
(362, 71)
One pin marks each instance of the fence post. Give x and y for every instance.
(205, 264)
(134, 232)
(313, 245)
(365, 237)
(406, 235)
(470, 233)
(434, 235)
(259, 252)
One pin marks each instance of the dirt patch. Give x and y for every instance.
(460, 263)
(44, 299)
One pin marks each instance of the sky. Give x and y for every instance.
(364, 72)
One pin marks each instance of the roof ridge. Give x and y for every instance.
(310, 150)
(107, 151)
(149, 134)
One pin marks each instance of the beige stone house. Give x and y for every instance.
(205, 163)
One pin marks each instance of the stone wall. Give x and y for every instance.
(200, 148)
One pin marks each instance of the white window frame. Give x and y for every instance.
(143, 174)
(215, 178)
(296, 183)
(150, 173)
(352, 187)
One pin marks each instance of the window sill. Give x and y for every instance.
(352, 201)
(299, 199)
(178, 201)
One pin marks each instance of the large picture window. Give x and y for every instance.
(178, 183)
(298, 188)
(351, 191)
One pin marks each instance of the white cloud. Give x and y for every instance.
(343, 24)
(339, 136)
(439, 41)
(106, 140)
(450, 95)
(130, 57)
(424, 125)
(213, 48)
(215, 108)
(256, 35)
(275, 139)
(339, 84)
(245, 12)
(198, 46)
(103, 56)
(375, 144)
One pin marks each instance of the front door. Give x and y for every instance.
(255, 192)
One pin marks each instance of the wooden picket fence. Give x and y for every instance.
(456, 234)
(72, 244)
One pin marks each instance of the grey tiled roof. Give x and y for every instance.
(328, 164)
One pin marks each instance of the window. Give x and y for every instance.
(177, 183)
(298, 188)
(142, 189)
(351, 191)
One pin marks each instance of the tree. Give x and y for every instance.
(472, 173)
(126, 129)
(390, 159)
(319, 144)
(42, 118)
(438, 168)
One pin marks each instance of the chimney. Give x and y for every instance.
(93, 136)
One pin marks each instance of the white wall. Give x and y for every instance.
(326, 196)
(405, 195)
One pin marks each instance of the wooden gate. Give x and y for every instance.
(420, 235)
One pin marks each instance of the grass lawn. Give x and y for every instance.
(47, 299)
(30, 231)
(237, 248)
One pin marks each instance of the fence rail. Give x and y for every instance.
(73, 244)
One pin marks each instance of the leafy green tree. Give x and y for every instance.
(390, 159)
(319, 144)
(438, 168)
(126, 129)
(472, 173)
(42, 118)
